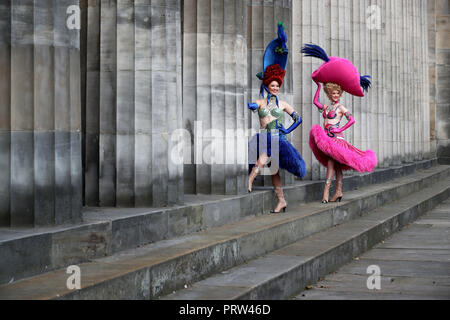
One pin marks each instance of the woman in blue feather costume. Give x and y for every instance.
(272, 145)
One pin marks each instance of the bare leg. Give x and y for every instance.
(260, 163)
(330, 174)
(276, 181)
(339, 179)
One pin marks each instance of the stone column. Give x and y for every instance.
(214, 95)
(384, 125)
(5, 112)
(422, 74)
(133, 104)
(410, 109)
(417, 119)
(309, 27)
(376, 110)
(366, 63)
(403, 81)
(443, 81)
(431, 50)
(389, 85)
(356, 25)
(40, 111)
(395, 73)
(426, 81)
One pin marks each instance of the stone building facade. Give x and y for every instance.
(97, 102)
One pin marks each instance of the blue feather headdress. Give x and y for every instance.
(312, 50)
(365, 83)
(275, 53)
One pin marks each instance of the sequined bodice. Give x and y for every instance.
(330, 112)
(273, 110)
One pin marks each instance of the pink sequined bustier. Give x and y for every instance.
(331, 115)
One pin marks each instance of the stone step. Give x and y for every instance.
(287, 271)
(107, 231)
(413, 264)
(165, 266)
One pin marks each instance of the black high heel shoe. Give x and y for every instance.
(339, 190)
(337, 199)
(282, 209)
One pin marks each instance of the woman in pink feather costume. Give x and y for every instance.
(329, 146)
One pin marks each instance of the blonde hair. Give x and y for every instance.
(330, 87)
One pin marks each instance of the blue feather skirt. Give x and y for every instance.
(283, 153)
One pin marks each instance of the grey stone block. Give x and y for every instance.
(185, 220)
(142, 229)
(25, 257)
(134, 286)
(79, 245)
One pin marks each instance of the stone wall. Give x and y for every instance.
(92, 117)
(214, 95)
(378, 37)
(133, 103)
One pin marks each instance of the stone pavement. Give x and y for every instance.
(414, 264)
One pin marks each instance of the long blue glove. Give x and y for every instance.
(297, 121)
(252, 106)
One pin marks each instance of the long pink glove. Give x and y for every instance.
(350, 122)
(316, 97)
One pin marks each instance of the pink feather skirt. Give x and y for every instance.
(349, 157)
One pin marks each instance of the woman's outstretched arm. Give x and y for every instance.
(316, 97)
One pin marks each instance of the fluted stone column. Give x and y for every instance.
(5, 112)
(384, 126)
(403, 94)
(357, 23)
(431, 50)
(374, 115)
(309, 21)
(215, 95)
(422, 62)
(411, 99)
(386, 50)
(425, 81)
(133, 103)
(394, 93)
(417, 119)
(443, 81)
(40, 112)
